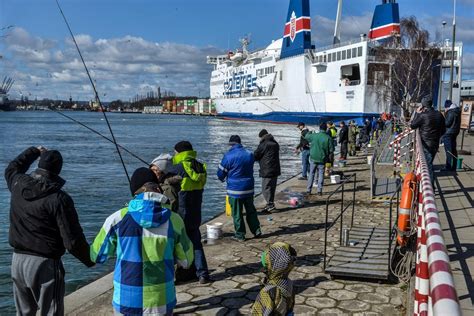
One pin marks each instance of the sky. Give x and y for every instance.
(134, 46)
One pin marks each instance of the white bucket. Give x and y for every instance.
(369, 159)
(335, 179)
(341, 163)
(214, 231)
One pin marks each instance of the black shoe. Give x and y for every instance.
(303, 178)
(320, 193)
(258, 235)
(270, 207)
(204, 280)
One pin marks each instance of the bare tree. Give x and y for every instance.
(412, 63)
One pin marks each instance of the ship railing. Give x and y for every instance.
(345, 43)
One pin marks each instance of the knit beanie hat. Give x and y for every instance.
(183, 146)
(140, 177)
(262, 133)
(448, 103)
(164, 162)
(234, 139)
(52, 161)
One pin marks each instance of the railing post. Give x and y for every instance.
(353, 199)
(326, 233)
(342, 215)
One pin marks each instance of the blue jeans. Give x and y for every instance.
(305, 163)
(429, 161)
(200, 262)
(312, 171)
(450, 147)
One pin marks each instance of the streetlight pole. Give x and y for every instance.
(441, 70)
(452, 54)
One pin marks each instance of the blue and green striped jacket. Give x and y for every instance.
(148, 241)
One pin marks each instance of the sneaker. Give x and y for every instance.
(235, 238)
(204, 280)
(270, 207)
(303, 178)
(258, 235)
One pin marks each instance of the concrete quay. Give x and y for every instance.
(236, 268)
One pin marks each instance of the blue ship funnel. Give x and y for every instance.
(385, 22)
(297, 34)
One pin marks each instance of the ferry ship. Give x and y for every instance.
(293, 81)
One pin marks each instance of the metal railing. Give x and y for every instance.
(435, 293)
(327, 226)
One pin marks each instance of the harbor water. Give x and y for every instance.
(95, 177)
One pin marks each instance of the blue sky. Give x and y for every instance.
(134, 46)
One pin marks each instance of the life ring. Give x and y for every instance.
(406, 202)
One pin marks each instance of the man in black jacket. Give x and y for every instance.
(43, 224)
(431, 125)
(343, 140)
(453, 127)
(268, 156)
(303, 148)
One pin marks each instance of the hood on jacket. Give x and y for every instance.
(147, 211)
(267, 137)
(41, 183)
(453, 108)
(183, 156)
(279, 261)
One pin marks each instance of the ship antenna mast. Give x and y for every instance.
(337, 27)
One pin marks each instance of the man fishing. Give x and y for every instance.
(43, 224)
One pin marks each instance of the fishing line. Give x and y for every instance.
(95, 91)
(101, 135)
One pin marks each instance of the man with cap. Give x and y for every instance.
(453, 127)
(148, 241)
(322, 147)
(236, 168)
(431, 126)
(268, 156)
(43, 224)
(303, 148)
(168, 180)
(194, 175)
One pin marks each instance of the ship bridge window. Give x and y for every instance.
(324, 59)
(338, 56)
(329, 58)
(348, 53)
(377, 74)
(343, 55)
(359, 51)
(354, 52)
(350, 75)
(334, 56)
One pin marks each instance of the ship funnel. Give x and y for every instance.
(385, 22)
(297, 34)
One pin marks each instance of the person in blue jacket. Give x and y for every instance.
(237, 168)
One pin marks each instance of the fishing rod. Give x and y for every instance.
(95, 91)
(101, 135)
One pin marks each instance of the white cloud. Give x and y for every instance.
(121, 67)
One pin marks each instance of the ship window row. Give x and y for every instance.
(341, 55)
(265, 71)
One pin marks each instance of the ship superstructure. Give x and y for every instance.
(291, 80)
